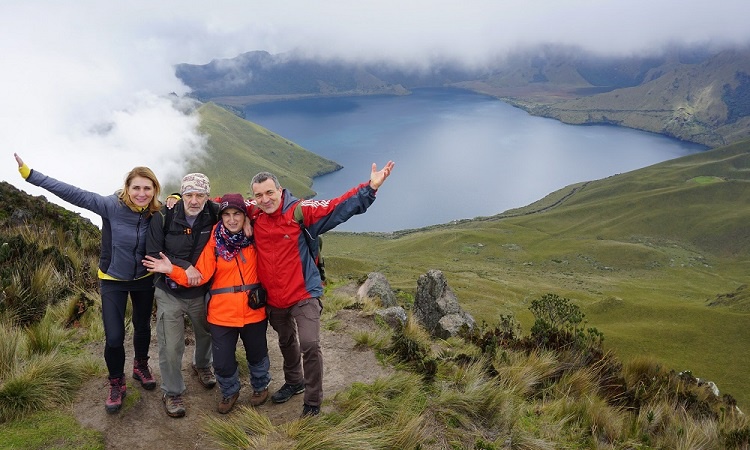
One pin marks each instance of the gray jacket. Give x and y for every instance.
(124, 230)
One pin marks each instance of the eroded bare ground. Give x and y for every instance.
(146, 425)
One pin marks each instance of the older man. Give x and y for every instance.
(286, 268)
(181, 233)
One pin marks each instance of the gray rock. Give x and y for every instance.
(377, 287)
(394, 317)
(20, 216)
(437, 308)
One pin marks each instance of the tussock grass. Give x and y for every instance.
(526, 374)
(356, 429)
(42, 382)
(236, 431)
(375, 340)
(577, 384)
(10, 348)
(472, 394)
(513, 398)
(678, 430)
(593, 415)
(43, 339)
(39, 369)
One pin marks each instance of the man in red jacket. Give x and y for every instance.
(287, 269)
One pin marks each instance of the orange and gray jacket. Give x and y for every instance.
(229, 306)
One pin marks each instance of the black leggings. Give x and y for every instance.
(114, 300)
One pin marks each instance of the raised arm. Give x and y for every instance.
(92, 201)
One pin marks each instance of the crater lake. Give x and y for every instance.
(458, 154)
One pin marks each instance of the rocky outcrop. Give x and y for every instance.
(394, 317)
(377, 287)
(436, 307)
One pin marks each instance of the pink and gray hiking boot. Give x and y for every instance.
(142, 373)
(117, 391)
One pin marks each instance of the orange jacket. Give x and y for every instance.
(226, 309)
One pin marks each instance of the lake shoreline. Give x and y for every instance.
(535, 101)
(442, 134)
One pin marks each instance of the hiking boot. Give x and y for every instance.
(142, 373)
(227, 403)
(205, 376)
(259, 397)
(287, 391)
(310, 410)
(117, 390)
(173, 405)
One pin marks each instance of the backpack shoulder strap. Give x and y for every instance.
(213, 208)
(298, 214)
(167, 218)
(315, 250)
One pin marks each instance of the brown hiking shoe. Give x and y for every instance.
(259, 397)
(173, 405)
(227, 403)
(205, 376)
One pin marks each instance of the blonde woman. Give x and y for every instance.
(125, 222)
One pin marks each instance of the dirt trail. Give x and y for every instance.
(146, 425)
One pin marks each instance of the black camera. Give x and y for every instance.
(256, 298)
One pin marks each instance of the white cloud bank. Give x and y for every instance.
(85, 83)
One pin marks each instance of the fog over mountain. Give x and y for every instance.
(86, 82)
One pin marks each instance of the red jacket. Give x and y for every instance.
(286, 267)
(226, 309)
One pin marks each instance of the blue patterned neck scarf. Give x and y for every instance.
(227, 244)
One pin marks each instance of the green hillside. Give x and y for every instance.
(239, 149)
(656, 258)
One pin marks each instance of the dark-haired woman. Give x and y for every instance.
(228, 261)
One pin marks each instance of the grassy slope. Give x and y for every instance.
(239, 149)
(640, 252)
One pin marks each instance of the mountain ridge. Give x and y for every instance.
(695, 94)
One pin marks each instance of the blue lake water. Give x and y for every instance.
(458, 154)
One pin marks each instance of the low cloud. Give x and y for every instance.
(87, 84)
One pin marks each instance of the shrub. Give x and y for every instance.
(559, 325)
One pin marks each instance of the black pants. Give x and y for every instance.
(114, 300)
(224, 345)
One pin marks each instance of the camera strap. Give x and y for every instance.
(242, 288)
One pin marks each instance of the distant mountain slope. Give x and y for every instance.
(695, 94)
(259, 73)
(239, 149)
(706, 101)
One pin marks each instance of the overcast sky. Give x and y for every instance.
(84, 81)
